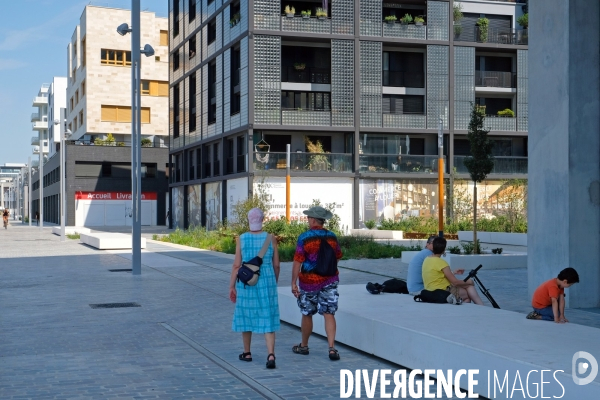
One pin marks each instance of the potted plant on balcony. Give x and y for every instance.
(236, 18)
(506, 113)
(289, 11)
(407, 19)
(457, 17)
(145, 142)
(483, 24)
(523, 20)
(318, 161)
(419, 20)
(306, 14)
(299, 66)
(390, 19)
(321, 14)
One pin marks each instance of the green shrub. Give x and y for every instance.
(454, 249)
(370, 224)
(497, 251)
(523, 20)
(469, 247)
(407, 19)
(507, 112)
(145, 142)
(483, 24)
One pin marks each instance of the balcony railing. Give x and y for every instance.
(306, 117)
(306, 75)
(81, 142)
(35, 117)
(40, 125)
(409, 121)
(502, 36)
(35, 140)
(495, 79)
(35, 149)
(305, 162)
(403, 79)
(399, 163)
(40, 101)
(502, 165)
(312, 24)
(494, 123)
(404, 31)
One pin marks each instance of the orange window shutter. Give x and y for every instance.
(153, 88)
(124, 114)
(164, 38)
(163, 89)
(145, 118)
(109, 113)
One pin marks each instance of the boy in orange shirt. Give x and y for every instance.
(549, 298)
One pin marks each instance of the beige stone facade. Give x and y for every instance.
(94, 85)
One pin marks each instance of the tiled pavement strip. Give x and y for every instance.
(178, 344)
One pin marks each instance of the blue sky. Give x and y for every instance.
(34, 35)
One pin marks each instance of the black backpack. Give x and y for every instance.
(326, 259)
(390, 286)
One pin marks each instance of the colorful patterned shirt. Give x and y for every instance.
(307, 251)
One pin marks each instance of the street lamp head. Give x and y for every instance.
(123, 29)
(148, 50)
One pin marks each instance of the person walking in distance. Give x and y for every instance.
(37, 217)
(256, 307)
(5, 215)
(315, 291)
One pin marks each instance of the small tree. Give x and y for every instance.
(481, 161)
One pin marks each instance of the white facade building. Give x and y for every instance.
(39, 120)
(57, 99)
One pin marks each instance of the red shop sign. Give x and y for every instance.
(112, 196)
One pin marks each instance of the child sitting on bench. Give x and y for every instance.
(549, 298)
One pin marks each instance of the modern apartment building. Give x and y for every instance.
(357, 93)
(97, 112)
(39, 120)
(57, 99)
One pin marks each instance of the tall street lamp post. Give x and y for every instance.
(29, 190)
(136, 127)
(64, 133)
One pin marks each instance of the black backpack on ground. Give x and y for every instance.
(326, 259)
(390, 286)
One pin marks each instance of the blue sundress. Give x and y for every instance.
(257, 307)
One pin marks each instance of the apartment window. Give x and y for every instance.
(175, 18)
(234, 11)
(192, 47)
(122, 114)
(229, 153)
(115, 57)
(82, 89)
(212, 31)
(164, 38)
(241, 154)
(403, 69)
(198, 163)
(212, 93)
(83, 53)
(191, 166)
(75, 123)
(74, 51)
(192, 10)
(176, 111)
(81, 118)
(74, 74)
(192, 122)
(235, 81)
(145, 89)
(76, 97)
(206, 170)
(216, 159)
(209, 2)
(306, 100)
(154, 88)
(71, 104)
(176, 60)
(403, 104)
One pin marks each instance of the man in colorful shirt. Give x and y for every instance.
(316, 293)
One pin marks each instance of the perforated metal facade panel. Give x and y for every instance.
(437, 85)
(370, 18)
(522, 82)
(342, 82)
(342, 17)
(312, 25)
(267, 79)
(437, 20)
(267, 14)
(464, 85)
(370, 84)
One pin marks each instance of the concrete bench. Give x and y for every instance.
(443, 336)
(108, 241)
(378, 234)
(70, 230)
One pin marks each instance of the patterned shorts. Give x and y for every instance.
(325, 301)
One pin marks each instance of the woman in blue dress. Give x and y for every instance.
(256, 307)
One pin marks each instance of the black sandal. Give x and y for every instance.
(243, 357)
(271, 363)
(333, 354)
(299, 349)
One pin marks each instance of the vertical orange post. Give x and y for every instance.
(287, 185)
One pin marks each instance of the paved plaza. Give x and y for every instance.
(178, 343)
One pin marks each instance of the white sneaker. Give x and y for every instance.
(454, 300)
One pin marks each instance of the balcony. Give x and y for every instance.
(35, 163)
(35, 149)
(35, 117)
(495, 79)
(403, 163)
(404, 31)
(35, 140)
(304, 162)
(300, 24)
(403, 79)
(40, 101)
(408, 121)
(495, 123)
(502, 165)
(502, 36)
(40, 125)
(306, 75)
(306, 117)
